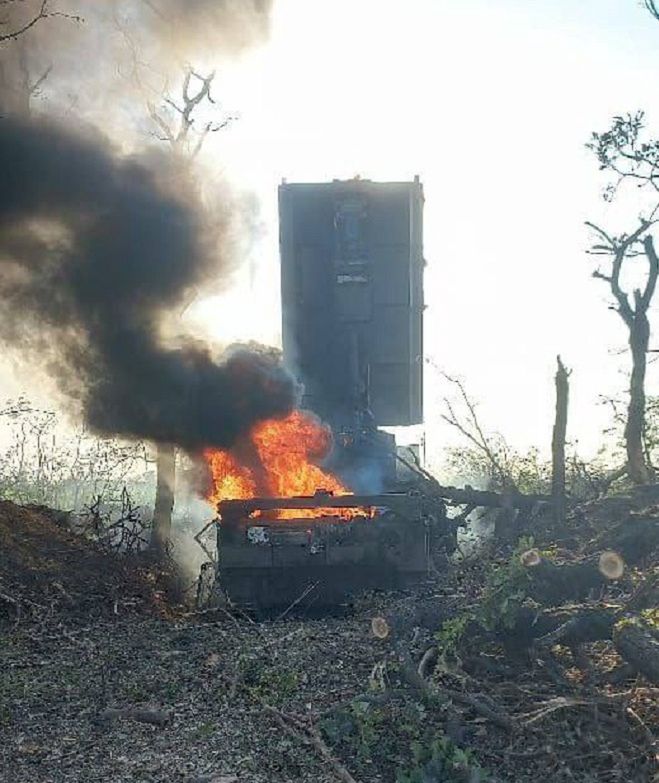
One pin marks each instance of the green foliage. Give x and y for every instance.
(412, 721)
(622, 144)
(368, 722)
(360, 727)
(450, 635)
(506, 589)
(266, 681)
(528, 472)
(169, 690)
(442, 762)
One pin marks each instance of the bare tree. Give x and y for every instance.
(175, 121)
(182, 131)
(18, 22)
(622, 152)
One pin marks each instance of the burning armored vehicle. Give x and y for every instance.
(291, 530)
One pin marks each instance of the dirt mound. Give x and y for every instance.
(45, 566)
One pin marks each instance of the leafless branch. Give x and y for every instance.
(184, 135)
(473, 430)
(653, 8)
(42, 13)
(620, 248)
(164, 127)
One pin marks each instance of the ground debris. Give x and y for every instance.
(315, 699)
(156, 717)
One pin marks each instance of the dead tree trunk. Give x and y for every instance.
(636, 321)
(558, 443)
(162, 512)
(639, 338)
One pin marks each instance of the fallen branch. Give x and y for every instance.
(308, 589)
(494, 716)
(559, 703)
(307, 734)
(649, 736)
(435, 691)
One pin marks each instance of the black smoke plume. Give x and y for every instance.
(95, 250)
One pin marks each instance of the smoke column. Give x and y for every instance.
(94, 250)
(100, 249)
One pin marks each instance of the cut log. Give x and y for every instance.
(635, 538)
(553, 584)
(570, 625)
(638, 644)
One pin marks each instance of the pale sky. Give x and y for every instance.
(491, 104)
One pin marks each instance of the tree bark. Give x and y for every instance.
(639, 337)
(638, 646)
(552, 584)
(162, 512)
(558, 443)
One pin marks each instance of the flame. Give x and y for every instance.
(230, 479)
(286, 450)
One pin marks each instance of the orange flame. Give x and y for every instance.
(285, 449)
(230, 480)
